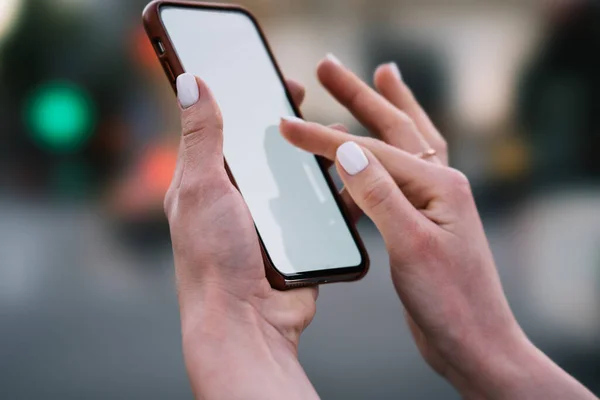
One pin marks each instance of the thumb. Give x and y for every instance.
(202, 129)
(376, 192)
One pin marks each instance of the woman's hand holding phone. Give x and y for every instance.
(240, 336)
(440, 260)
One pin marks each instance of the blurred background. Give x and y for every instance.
(88, 136)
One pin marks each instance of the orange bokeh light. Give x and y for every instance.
(157, 167)
(144, 51)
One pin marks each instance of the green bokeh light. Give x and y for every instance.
(60, 117)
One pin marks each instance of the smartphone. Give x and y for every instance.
(304, 228)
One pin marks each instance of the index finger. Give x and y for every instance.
(416, 177)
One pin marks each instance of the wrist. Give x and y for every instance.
(232, 352)
(478, 365)
(223, 320)
(504, 369)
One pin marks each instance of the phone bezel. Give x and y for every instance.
(173, 68)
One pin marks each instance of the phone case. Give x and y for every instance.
(173, 68)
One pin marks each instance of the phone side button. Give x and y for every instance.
(168, 70)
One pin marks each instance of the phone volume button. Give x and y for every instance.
(168, 70)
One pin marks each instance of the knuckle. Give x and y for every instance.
(339, 127)
(362, 100)
(203, 190)
(401, 123)
(168, 203)
(357, 99)
(461, 187)
(404, 120)
(377, 195)
(200, 122)
(369, 142)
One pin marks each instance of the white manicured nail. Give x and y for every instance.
(187, 90)
(293, 119)
(333, 59)
(352, 158)
(396, 70)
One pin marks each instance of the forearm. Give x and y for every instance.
(232, 353)
(527, 373)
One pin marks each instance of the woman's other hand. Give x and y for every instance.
(441, 264)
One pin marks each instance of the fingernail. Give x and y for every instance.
(333, 59)
(396, 70)
(352, 158)
(187, 90)
(293, 119)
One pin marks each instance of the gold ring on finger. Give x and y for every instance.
(426, 154)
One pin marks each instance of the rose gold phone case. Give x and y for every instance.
(173, 68)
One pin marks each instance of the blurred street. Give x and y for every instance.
(88, 139)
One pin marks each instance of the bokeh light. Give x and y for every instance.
(157, 168)
(60, 117)
(143, 52)
(9, 13)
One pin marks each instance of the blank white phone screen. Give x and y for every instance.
(292, 206)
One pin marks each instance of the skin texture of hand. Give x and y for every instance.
(240, 337)
(441, 264)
